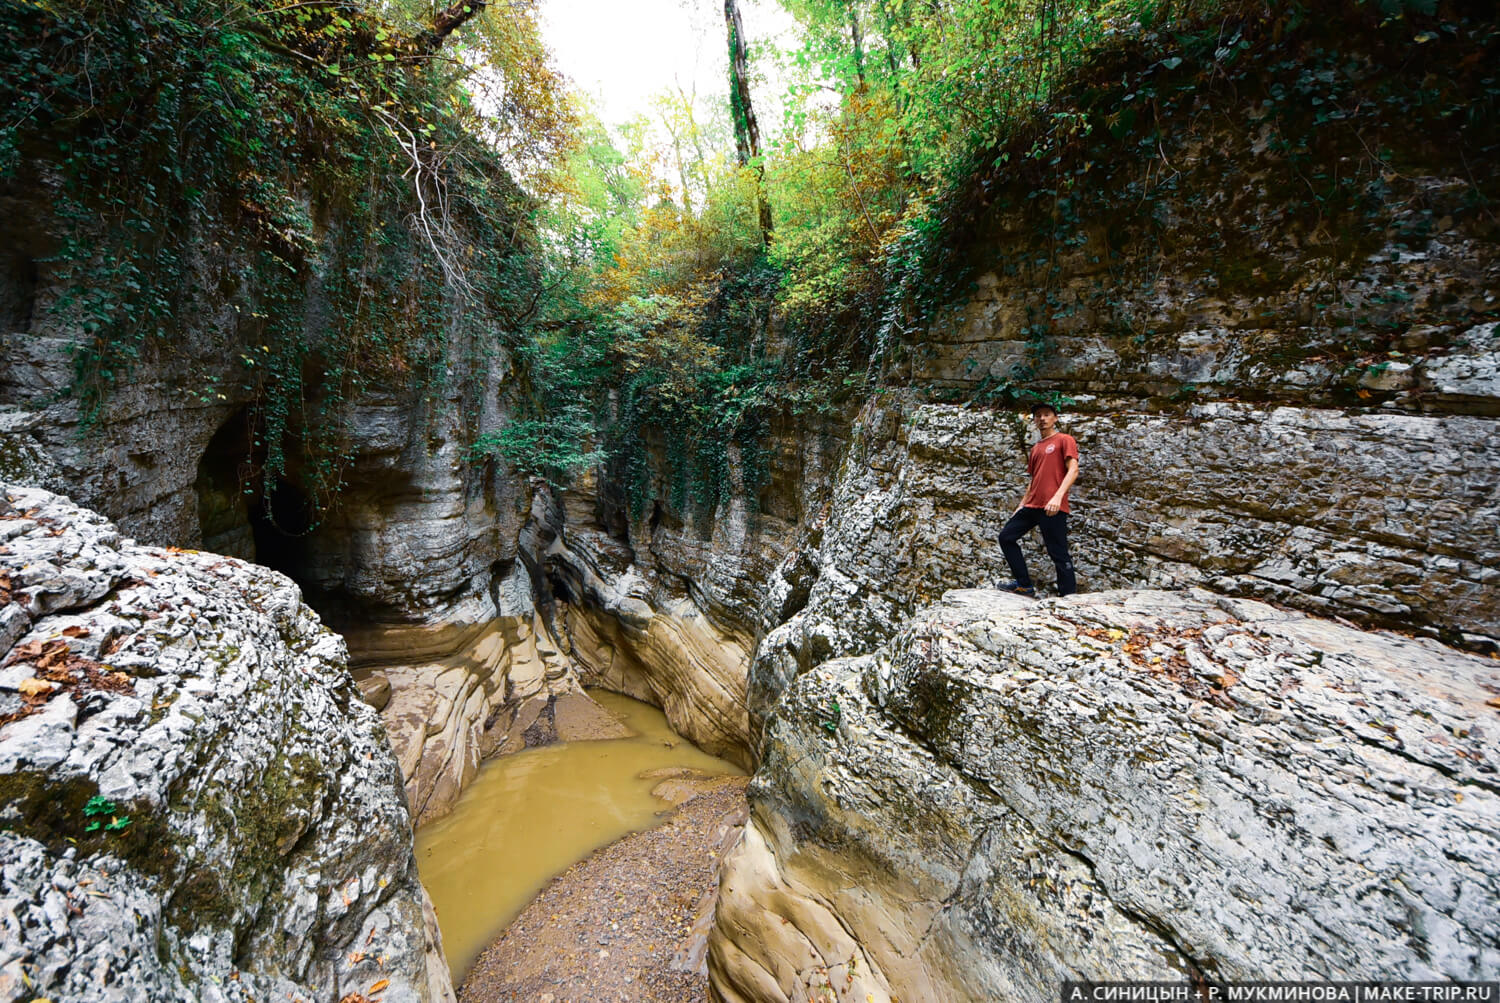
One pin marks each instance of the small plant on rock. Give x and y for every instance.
(831, 716)
(103, 815)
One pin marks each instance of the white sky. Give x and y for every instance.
(624, 51)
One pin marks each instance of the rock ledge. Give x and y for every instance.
(1118, 785)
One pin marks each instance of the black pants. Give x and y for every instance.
(1054, 536)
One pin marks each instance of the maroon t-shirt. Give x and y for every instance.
(1048, 466)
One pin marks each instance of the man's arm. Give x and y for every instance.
(1055, 504)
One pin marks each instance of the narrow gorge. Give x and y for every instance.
(315, 499)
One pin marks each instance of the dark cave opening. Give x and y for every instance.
(282, 524)
(238, 517)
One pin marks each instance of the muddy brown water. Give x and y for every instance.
(529, 816)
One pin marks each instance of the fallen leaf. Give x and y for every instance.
(76, 631)
(380, 985)
(33, 687)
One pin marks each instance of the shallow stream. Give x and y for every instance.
(527, 817)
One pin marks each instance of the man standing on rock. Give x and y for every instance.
(1053, 467)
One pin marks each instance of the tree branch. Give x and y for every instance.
(450, 19)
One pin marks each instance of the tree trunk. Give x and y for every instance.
(682, 178)
(746, 132)
(858, 37)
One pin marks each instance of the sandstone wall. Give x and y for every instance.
(198, 805)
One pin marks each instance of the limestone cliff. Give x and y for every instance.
(1129, 784)
(415, 561)
(1277, 350)
(198, 805)
(1278, 353)
(669, 606)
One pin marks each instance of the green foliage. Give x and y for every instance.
(698, 338)
(554, 447)
(216, 154)
(830, 717)
(103, 815)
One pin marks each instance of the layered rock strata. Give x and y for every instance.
(1280, 355)
(199, 807)
(417, 563)
(496, 688)
(1369, 515)
(1247, 242)
(668, 609)
(632, 632)
(1117, 785)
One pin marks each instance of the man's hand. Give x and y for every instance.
(1054, 506)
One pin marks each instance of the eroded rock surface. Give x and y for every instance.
(1120, 785)
(1366, 515)
(632, 632)
(669, 611)
(457, 698)
(253, 839)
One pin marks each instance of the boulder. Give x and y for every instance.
(1130, 784)
(199, 806)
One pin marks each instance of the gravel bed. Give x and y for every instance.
(628, 923)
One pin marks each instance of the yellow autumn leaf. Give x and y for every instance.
(1115, 635)
(380, 985)
(35, 687)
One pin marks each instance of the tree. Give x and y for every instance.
(746, 132)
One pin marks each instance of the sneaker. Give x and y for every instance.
(1017, 589)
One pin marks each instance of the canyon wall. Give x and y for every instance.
(1269, 316)
(1266, 304)
(415, 562)
(1279, 354)
(668, 606)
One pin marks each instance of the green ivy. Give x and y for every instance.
(268, 142)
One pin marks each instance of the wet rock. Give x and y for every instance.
(201, 808)
(460, 695)
(1118, 785)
